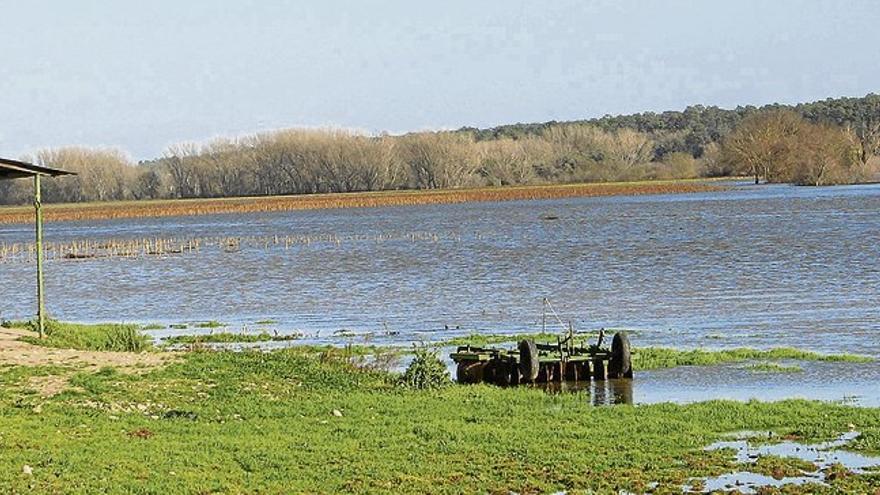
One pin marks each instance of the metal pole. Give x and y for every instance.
(38, 208)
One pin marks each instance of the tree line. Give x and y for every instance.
(834, 141)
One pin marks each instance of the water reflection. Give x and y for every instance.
(610, 392)
(602, 392)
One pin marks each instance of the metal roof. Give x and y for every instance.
(14, 169)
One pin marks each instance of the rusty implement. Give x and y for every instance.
(533, 362)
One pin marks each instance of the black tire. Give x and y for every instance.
(620, 364)
(461, 374)
(491, 372)
(514, 374)
(528, 360)
(469, 372)
(504, 374)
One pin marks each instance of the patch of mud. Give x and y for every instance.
(825, 457)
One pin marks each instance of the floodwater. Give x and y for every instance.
(755, 266)
(822, 456)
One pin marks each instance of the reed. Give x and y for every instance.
(90, 249)
(189, 207)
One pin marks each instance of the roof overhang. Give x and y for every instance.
(14, 169)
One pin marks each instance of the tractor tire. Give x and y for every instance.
(469, 372)
(620, 364)
(529, 366)
(504, 374)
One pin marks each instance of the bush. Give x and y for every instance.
(426, 371)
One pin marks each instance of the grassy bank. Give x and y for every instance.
(164, 208)
(301, 421)
(88, 337)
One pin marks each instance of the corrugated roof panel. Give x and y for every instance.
(14, 169)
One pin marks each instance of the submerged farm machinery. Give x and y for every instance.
(534, 362)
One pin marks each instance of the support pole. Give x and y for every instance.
(38, 209)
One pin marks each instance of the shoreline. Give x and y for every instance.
(267, 204)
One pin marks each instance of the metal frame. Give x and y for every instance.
(14, 169)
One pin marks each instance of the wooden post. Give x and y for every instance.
(38, 208)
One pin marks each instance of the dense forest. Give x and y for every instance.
(825, 142)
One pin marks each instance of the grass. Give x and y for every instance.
(774, 368)
(482, 339)
(229, 338)
(661, 357)
(296, 421)
(98, 337)
(163, 208)
(210, 324)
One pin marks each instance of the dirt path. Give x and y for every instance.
(18, 353)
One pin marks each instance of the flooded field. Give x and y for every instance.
(752, 266)
(772, 265)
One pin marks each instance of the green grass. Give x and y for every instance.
(97, 337)
(661, 357)
(774, 368)
(224, 422)
(210, 324)
(229, 337)
(482, 339)
(16, 324)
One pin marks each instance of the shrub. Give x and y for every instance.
(426, 371)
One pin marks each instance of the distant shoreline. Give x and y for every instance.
(257, 204)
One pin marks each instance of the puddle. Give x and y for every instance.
(822, 456)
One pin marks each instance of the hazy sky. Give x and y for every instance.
(141, 75)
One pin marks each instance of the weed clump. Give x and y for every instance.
(426, 371)
(99, 337)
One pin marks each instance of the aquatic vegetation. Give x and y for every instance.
(482, 339)
(774, 368)
(92, 337)
(210, 324)
(789, 463)
(229, 338)
(98, 249)
(661, 357)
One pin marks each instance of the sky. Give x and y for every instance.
(142, 75)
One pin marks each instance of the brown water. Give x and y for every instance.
(756, 266)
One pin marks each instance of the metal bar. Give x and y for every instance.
(38, 210)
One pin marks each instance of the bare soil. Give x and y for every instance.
(15, 352)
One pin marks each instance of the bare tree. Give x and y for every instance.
(762, 145)
(440, 160)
